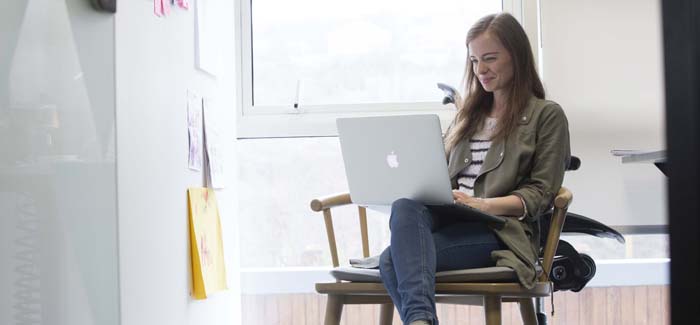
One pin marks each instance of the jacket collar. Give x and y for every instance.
(461, 155)
(497, 153)
(526, 115)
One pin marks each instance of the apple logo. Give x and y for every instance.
(392, 160)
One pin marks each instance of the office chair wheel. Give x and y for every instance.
(591, 265)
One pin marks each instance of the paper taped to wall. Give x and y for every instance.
(208, 269)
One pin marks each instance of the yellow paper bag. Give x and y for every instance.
(208, 270)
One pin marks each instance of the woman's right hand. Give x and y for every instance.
(474, 202)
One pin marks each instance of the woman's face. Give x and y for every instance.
(491, 62)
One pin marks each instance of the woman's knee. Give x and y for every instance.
(385, 256)
(408, 211)
(404, 203)
(385, 262)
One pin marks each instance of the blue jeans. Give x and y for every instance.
(423, 243)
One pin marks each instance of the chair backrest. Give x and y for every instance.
(574, 163)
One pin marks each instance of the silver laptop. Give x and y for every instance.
(392, 157)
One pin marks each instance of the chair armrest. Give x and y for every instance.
(324, 204)
(330, 201)
(561, 205)
(563, 199)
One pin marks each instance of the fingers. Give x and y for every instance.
(462, 198)
(459, 195)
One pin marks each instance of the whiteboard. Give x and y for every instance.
(58, 221)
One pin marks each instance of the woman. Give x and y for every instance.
(507, 152)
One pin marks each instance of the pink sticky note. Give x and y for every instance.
(166, 7)
(184, 4)
(158, 7)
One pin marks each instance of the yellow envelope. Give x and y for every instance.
(208, 270)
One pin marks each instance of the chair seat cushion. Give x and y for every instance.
(485, 274)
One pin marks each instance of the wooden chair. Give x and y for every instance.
(449, 289)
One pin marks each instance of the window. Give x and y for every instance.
(349, 59)
(284, 240)
(334, 57)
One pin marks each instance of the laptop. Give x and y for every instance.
(391, 157)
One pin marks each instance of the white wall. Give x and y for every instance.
(602, 62)
(90, 233)
(155, 67)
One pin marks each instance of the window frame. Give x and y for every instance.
(319, 120)
(274, 122)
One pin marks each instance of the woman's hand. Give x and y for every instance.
(474, 202)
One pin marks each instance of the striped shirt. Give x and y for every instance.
(479, 145)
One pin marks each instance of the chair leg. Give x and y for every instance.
(334, 310)
(386, 314)
(527, 311)
(492, 310)
(541, 314)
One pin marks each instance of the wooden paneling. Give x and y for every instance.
(596, 302)
(614, 305)
(614, 308)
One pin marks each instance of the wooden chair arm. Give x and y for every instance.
(561, 205)
(563, 199)
(325, 204)
(330, 201)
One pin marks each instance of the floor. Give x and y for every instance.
(613, 305)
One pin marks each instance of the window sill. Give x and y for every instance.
(609, 273)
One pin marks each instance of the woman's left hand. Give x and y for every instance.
(474, 202)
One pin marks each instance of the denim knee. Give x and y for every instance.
(385, 263)
(403, 203)
(407, 210)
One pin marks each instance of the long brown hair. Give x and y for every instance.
(473, 110)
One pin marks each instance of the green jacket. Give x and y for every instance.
(530, 163)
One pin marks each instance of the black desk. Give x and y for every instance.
(657, 157)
